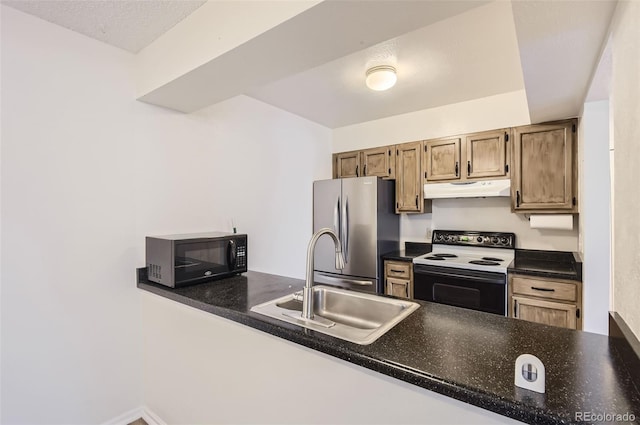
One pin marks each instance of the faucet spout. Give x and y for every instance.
(307, 292)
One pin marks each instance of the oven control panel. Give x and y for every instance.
(471, 238)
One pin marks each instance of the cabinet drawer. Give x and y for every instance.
(544, 288)
(398, 269)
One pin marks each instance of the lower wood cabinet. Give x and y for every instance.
(398, 278)
(547, 301)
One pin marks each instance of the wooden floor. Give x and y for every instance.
(139, 422)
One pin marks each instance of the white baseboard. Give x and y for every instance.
(150, 417)
(139, 412)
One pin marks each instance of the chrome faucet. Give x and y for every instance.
(307, 292)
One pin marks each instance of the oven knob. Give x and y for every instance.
(438, 237)
(494, 239)
(480, 239)
(503, 240)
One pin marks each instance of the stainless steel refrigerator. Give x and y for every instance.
(361, 212)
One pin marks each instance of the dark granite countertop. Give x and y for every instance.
(551, 264)
(464, 354)
(411, 250)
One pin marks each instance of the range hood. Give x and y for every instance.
(477, 189)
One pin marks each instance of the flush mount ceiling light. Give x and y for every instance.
(381, 77)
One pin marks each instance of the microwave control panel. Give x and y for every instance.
(241, 256)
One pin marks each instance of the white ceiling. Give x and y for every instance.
(314, 64)
(128, 24)
(437, 65)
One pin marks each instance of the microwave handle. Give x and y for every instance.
(231, 254)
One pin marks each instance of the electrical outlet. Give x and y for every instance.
(429, 233)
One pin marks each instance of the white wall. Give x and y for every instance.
(70, 309)
(247, 376)
(489, 113)
(240, 160)
(490, 214)
(595, 215)
(87, 172)
(486, 214)
(625, 104)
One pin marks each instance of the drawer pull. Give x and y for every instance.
(543, 289)
(396, 271)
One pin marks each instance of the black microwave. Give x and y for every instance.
(180, 260)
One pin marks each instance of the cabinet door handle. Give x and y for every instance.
(515, 308)
(364, 170)
(468, 168)
(517, 198)
(357, 171)
(456, 168)
(416, 201)
(396, 271)
(543, 289)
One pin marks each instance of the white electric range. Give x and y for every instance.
(466, 269)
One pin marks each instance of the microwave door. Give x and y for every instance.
(197, 259)
(327, 204)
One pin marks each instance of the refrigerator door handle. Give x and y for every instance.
(324, 278)
(336, 219)
(345, 230)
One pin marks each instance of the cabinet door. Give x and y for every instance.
(486, 154)
(545, 312)
(379, 162)
(442, 159)
(397, 287)
(347, 164)
(543, 173)
(409, 191)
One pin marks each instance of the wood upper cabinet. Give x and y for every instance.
(476, 156)
(442, 159)
(487, 154)
(545, 170)
(346, 164)
(547, 301)
(409, 189)
(370, 162)
(379, 162)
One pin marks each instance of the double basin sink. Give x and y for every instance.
(349, 315)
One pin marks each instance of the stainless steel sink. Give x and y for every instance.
(349, 315)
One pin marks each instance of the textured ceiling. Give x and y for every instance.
(128, 24)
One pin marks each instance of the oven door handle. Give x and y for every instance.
(419, 271)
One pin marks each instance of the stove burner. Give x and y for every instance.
(445, 255)
(492, 259)
(434, 258)
(484, 263)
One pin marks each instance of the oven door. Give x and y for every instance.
(477, 290)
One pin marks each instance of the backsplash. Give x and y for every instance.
(486, 214)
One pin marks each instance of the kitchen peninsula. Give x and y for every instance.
(463, 354)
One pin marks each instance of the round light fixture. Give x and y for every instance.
(381, 77)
